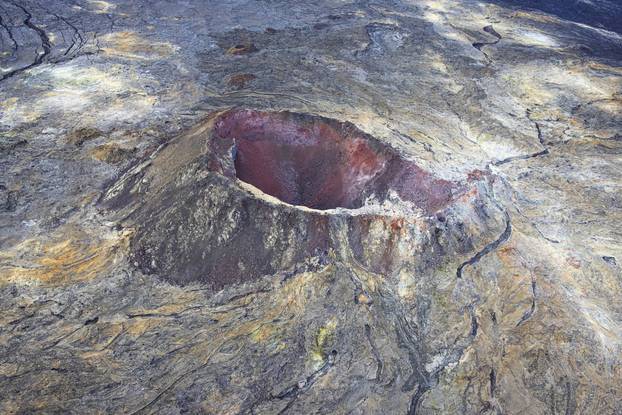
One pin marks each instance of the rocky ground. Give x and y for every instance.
(265, 207)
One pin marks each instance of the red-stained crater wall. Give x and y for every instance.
(317, 162)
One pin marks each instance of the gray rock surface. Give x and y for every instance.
(137, 278)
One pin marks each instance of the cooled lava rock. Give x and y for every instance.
(250, 193)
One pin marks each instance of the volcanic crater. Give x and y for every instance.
(195, 221)
(317, 162)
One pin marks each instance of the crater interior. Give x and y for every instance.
(319, 163)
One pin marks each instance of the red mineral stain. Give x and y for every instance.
(397, 225)
(317, 162)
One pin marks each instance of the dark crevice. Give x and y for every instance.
(428, 380)
(522, 157)
(493, 317)
(408, 338)
(76, 38)
(163, 315)
(610, 260)
(540, 139)
(73, 51)
(90, 321)
(45, 43)
(61, 338)
(488, 248)
(479, 45)
(551, 240)
(294, 391)
(543, 152)
(414, 402)
(490, 30)
(474, 323)
(526, 156)
(532, 309)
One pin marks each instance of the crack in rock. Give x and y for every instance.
(375, 352)
(479, 45)
(45, 43)
(529, 313)
(304, 385)
(488, 248)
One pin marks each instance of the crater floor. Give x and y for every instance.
(281, 207)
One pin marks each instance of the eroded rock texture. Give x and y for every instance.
(406, 207)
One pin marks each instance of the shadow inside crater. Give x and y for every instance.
(318, 162)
